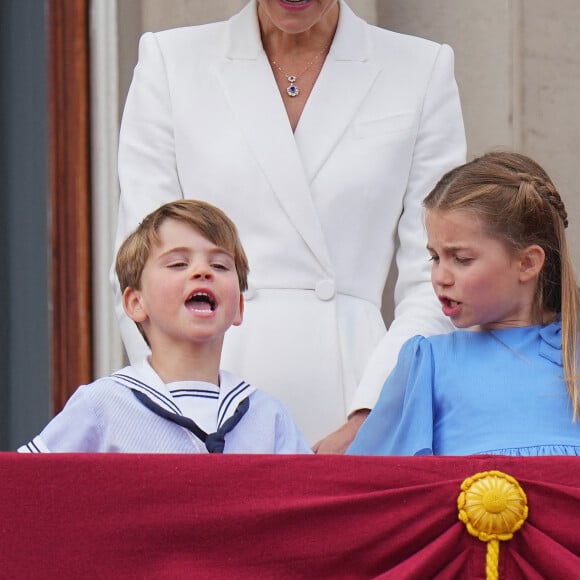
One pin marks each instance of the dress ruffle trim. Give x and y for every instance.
(535, 451)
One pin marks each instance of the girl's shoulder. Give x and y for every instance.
(451, 339)
(454, 343)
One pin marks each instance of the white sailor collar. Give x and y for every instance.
(141, 377)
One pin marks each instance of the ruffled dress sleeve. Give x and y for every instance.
(401, 422)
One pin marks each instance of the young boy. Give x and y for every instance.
(182, 273)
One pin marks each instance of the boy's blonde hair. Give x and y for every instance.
(212, 223)
(519, 205)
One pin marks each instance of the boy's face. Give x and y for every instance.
(189, 290)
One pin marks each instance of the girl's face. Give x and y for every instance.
(477, 279)
(297, 16)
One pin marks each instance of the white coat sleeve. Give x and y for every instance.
(147, 165)
(440, 146)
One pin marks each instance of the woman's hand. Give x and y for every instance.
(339, 441)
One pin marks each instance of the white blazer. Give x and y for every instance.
(322, 212)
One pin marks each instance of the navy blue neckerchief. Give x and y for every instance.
(214, 442)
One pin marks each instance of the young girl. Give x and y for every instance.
(500, 264)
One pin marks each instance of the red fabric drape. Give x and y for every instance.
(282, 517)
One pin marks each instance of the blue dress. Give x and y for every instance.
(463, 393)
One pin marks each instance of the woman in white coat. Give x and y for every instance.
(319, 135)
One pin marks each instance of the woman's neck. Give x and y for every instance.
(278, 43)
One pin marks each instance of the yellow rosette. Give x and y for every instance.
(493, 506)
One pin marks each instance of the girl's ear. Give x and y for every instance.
(133, 305)
(532, 261)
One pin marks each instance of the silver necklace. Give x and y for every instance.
(292, 90)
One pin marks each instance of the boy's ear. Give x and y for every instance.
(240, 314)
(133, 305)
(532, 261)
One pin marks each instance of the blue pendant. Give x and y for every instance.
(292, 90)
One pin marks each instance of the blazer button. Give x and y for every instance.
(250, 292)
(325, 289)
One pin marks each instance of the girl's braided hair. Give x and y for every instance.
(518, 204)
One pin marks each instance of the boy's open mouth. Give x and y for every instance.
(201, 301)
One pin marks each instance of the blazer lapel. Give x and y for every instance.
(345, 79)
(251, 92)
